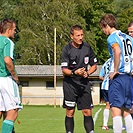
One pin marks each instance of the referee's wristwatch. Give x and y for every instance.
(73, 72)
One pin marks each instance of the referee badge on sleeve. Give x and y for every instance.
(95, 59)
(86, 60)
(64, 64)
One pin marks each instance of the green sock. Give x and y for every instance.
(7, 126)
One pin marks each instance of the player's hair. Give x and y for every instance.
(75, 27)
(130, 24)
(108, 19)
(5, 24)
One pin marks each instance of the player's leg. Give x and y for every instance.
(117, 119)
(131, 110)
(8, 123)
(128, 105)
(4, 116)
(2, 107)
(10, 94)
(13, 130)
(106, 111)
(116, 103)
(0, 114)
(128, 120)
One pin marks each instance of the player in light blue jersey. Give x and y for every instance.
(120, 46)
(130, 32)
(104, 76)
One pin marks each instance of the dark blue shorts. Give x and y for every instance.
(120, 91)
(105, 95)
(132, 90)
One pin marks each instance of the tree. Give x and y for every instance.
(37, 29)
(38, 18)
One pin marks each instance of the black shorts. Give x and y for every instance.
(77, 94)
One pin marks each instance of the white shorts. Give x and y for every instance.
(9, 94)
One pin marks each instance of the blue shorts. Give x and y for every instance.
(105, 95)
(120, 91)
(132, 90)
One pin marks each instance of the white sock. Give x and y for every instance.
(129, 124)
(117, 124)
(105, 117)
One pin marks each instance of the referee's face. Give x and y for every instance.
(77, 37)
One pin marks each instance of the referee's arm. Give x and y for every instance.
(66, 71)
(92, 69)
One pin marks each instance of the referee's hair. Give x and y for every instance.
(75, 27)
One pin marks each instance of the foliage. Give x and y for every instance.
(37, 20)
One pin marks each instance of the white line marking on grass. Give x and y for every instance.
(96, 115)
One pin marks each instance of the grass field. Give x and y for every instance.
(47, 119)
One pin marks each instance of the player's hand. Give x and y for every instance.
(113, 74)
(16, 79)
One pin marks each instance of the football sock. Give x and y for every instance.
(117, 124)
(88, 124)
(105, 117)
(69, 124)
(13, 130)
(7, 126)
(129, 124)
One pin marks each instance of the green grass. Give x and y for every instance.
(47, 119)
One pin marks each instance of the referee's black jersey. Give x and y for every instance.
(74, 58)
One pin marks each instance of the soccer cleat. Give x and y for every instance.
(105, 128)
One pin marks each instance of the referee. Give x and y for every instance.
(76, 56)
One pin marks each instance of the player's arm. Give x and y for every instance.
(11, 68)
(102, 72)
(117, 53)
(101, 78)
(93, 62)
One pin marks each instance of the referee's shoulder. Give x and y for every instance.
(86, 44)
(67, 47)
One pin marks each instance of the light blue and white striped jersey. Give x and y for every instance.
(105, 74)
(126, 45)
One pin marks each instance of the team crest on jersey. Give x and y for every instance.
(86, 60)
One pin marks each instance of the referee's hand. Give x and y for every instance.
(81, 72)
